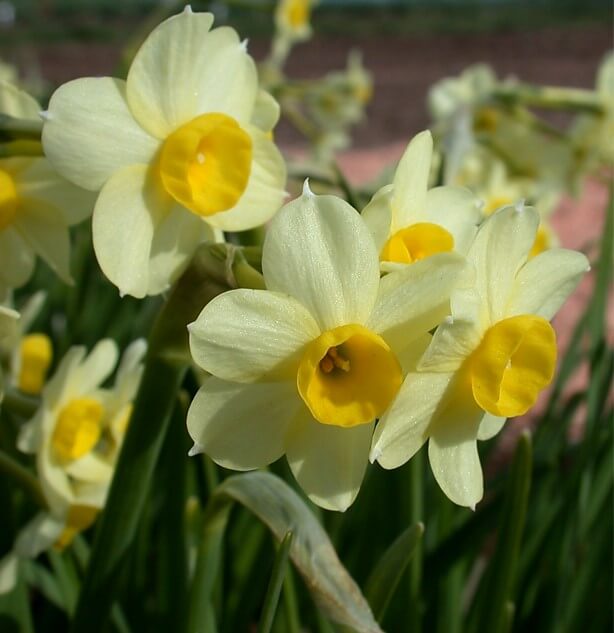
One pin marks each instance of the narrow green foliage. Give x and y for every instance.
(275, 583)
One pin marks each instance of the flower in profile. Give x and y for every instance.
(488, 361)
(175, 151)
(306, 366)
(36, 206)
(409, 222)
(75, 435)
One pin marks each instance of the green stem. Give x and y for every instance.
(20, 404)
(416, 515)
(13, 129)
(551, 97)
(23, 478)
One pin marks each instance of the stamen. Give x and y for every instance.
(333, 360)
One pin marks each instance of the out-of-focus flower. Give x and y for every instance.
(305, 367)
(76, 435)
(409, 222)
(175, 151)
(488, 361)
(9, 324)
(36, 206)
(292, 19)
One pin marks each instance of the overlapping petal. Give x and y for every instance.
(377, 215)
(242, 426)
(16, 260)
(319, 251)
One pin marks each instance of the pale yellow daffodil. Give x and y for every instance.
(175, 151)
(488, 361)
(409, 222)
(305, 367)
(37, 206)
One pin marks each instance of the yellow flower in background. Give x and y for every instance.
(75, 435)
(26, 356)
(488, 361)
(409, 222)
(36, 207)
(175, 151)
(305, 367)
(292, 19)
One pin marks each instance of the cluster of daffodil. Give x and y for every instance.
(323, 110)
(497, 147)
(422, 317)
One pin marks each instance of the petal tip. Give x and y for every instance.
(520, 206)
(375, 454)
(45, 115)
(307, 189)
(188, 9)
(197, 449)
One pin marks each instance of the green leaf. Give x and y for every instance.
(274, 589)
(385, 578)
(282, 510)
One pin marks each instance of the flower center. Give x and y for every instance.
(206, 163)
(77, 429)
(35, 356)
(512, 364)
(79, 518)
(417, 242)
(348, 376)
(8, 199)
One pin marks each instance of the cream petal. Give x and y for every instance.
(266, 112)
(319, 251)
(490, 426)
(90, 134)
(55, 389)
(329, 462)
(453, 342)
(264, 193)
(38, 535)
(127, 211)
(250, 335)
(54, 480)
(378, 216)
(17, 103)
(457, 210)
(44, 228)
(406, 426)
(415, 299)
(95, 369)
(91, 468)
(499, 250)
(9, 570)
(40, 181)
(30, 436)
(183, 69)
(545, 281)
(16, 259)
(242, 426)
(411, 182)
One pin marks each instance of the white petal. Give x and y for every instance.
(38, 535)
(266, 112)
(452, 343)
(55, 388)
(242, 426)
(9, 569)
(183, 70)
(453, 452)
(545, 281)
(96, 368)
(30, 435)
(500, 248)
(264, 193)
(329, 462)
(319, 251)
(44, 228)
(411, 182)
(17, 103)
(415, 299)
(378, 216)
(16, 259)
(457, 210)
(490, 426)
(41, 182)
(405, 427)
(249, 335)
(90, 133)
(124, 220)
(91, 468)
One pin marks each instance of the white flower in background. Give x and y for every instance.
(486, 362)
(292, 19)
(409, 222)
(175, 151)
(305, 367)
(36, 207)
(9, 325)
(26, 356)
(75, 435)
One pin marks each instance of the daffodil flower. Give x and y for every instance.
(292, 19)
(36, 206)
(409, 222)
(306, 366)
(488, 361)
(175, 151)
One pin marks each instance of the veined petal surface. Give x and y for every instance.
(329, 462)
(183, 69)
(377, 215)
(90, 133)
(16, 260)
(319, 250)
(242, 426)
(250, 335)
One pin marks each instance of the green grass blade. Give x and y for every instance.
(384, 579)
(275, 583)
